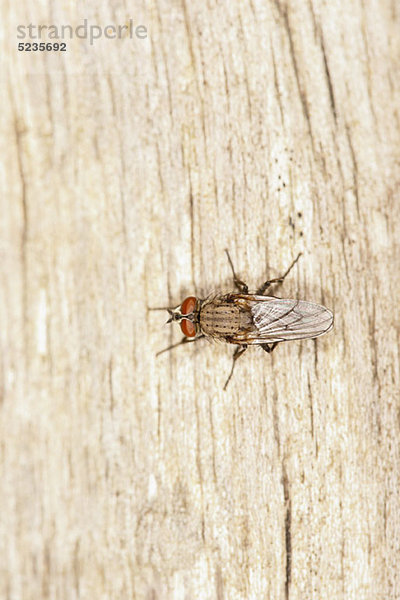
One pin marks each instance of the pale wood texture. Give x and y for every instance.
(128, 166)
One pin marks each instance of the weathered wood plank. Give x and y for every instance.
(127, 167)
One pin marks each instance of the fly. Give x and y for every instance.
(248, 319)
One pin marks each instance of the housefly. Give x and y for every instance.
(247, 319)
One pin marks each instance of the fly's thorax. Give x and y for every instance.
(221, 317)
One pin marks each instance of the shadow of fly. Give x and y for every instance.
(248, 319)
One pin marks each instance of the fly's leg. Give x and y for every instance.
(241, 286)
(238, 352)
(269, 347)
(278, 280)
(184, 340)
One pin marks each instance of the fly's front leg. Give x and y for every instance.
(184, 340)
(238, 352)
(241, 286)
(277, 280)
(269, 347)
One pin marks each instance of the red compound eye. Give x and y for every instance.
(188, 328)
(188, 305)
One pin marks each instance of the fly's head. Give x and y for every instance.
(186, 314)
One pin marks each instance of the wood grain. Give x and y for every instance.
(128, 166)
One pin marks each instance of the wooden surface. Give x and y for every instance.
(127, 167)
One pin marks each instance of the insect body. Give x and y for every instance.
(250, 319)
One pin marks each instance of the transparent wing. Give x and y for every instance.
(279, 320)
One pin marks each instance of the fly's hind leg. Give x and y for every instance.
(238, 352)
(277, 280)
(269, 347)
(241, 286)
